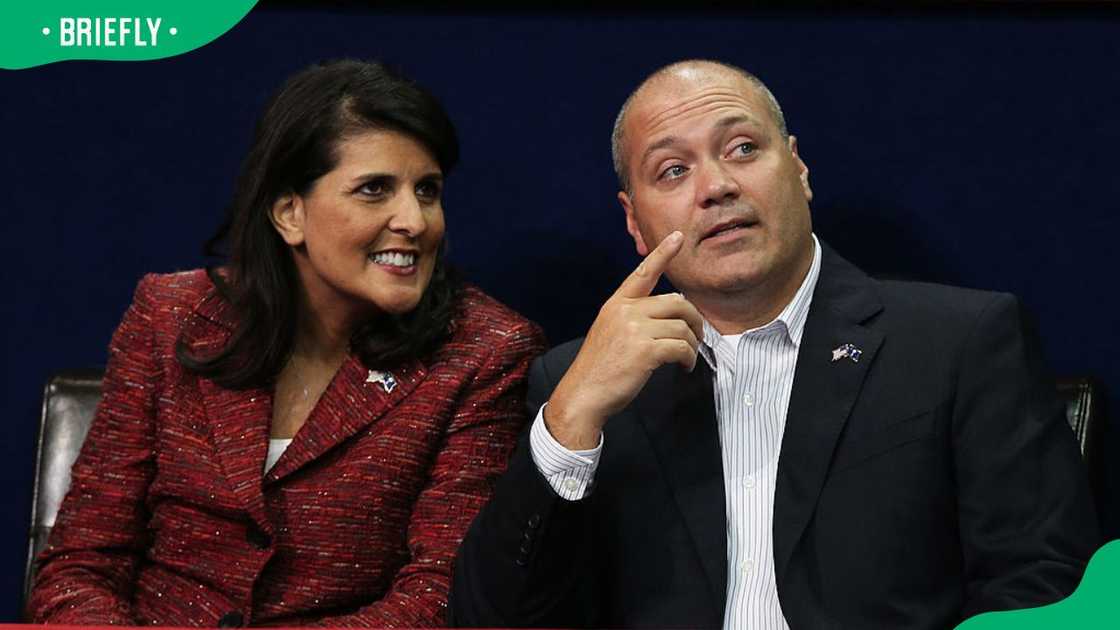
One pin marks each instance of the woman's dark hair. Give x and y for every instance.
(295, 143)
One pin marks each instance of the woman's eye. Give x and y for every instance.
(373, 189)
(428, 190)
(673, 172)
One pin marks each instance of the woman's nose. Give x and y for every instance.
(408, 217)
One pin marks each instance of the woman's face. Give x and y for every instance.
(365, 235)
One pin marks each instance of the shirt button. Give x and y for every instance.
(746, 566)
(748, 400)
(749, 482)
(571, 484)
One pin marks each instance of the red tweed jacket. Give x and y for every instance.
(170, 519)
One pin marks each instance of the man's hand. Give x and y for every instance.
(633, 335)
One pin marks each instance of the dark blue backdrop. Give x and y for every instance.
(975, 149)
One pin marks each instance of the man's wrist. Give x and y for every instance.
(573, 429)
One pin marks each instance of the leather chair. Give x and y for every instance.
(70, 399)
(1084, 402)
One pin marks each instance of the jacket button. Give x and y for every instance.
(534, 521)
(258, 538)
(232, 619)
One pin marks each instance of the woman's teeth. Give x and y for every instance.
(394, 259)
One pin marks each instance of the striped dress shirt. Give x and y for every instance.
(752, 376)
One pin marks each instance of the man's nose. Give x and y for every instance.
(717, 186)
(408, 218)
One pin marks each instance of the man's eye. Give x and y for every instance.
(745, 148)
(673, 172)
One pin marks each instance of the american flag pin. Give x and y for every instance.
(847, 351)
(385, 379)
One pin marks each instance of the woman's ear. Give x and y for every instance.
(287, 216)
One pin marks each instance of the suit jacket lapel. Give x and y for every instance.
(677, 410)
(350, 403)
(823, 394)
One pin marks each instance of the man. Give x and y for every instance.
(788, 444)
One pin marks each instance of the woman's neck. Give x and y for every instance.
(321, 339)
(326, 319)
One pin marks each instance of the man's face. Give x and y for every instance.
(706, 157)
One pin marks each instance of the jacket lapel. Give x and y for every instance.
(824, 392)
(239, 425)
(239, 420)
(349, 404)
(677, 410)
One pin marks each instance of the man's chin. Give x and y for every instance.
(734, 273)
(726, 284)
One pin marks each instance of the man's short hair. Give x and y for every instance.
(617, 156)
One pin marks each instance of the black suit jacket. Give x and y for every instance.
(931, 480)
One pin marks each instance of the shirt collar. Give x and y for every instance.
(791, 321)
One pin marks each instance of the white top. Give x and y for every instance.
(276, 448)
(752, 375)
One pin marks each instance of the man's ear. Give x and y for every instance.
(804, 170)
(287, 216)
(632, 223)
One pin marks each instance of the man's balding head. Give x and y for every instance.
(701, 148)
(683, 74)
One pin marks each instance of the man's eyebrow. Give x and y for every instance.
(731, 121)
(667, 141)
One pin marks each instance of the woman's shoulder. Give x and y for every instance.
(179, 286)
(172, 297)
(483, 318)
(164, 307)
(178, 289)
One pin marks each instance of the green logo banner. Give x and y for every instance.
(1092, 605)
(40, 32)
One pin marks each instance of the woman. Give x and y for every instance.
(303, 436)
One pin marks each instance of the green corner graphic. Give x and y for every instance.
(42, 32)
(1092, 605)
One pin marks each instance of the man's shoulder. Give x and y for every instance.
(938, 301)
(942, 316)
(844, 286)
